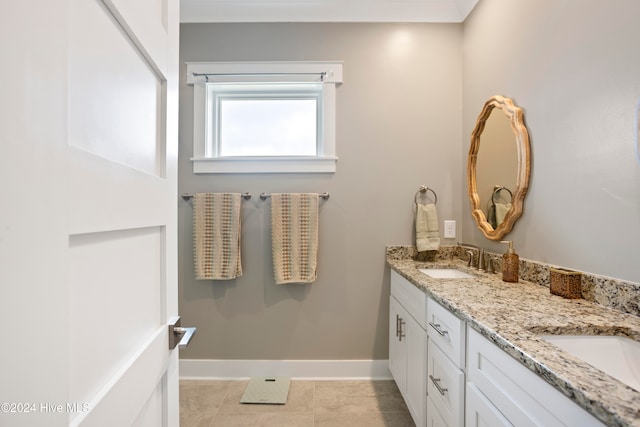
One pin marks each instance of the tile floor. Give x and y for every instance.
(309, 404)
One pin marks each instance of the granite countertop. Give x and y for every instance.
(513, 315)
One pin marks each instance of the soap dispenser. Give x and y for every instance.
(510, 264)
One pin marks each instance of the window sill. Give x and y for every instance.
(265, 165)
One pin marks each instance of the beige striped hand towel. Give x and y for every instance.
(216, 236)
(294, 237)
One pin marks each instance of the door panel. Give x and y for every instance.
(116, 302)
(115, 97)
(122, 400)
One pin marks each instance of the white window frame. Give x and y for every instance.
(204, 157)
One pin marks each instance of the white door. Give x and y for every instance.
(88, 193)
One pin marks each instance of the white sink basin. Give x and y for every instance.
(445, 273)
(616, 356)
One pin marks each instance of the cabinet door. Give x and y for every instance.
(445, 386)
(434, 419)
(397, 344)
(416, 397)
(480, 412)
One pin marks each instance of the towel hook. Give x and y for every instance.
(497, 189)
(424, 189)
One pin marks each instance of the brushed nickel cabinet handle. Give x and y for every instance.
(436, 384)
(436, 326)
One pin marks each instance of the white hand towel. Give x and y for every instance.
(427, 233)
(216, 236)
(294, 237)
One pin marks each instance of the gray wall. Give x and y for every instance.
(403, 121)
(573, 66)
(399, 125)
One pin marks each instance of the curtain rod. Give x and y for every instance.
(206, 75)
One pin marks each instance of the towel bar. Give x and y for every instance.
(265, 196)
(187, 196)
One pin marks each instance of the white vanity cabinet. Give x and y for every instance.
(452, 376)
(446, 362)
(408, 345)
(501, 391)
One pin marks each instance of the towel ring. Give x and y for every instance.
(424, 189)
(497, 189)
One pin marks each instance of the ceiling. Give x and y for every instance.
(325, 10)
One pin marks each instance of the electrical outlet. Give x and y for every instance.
(450, 229)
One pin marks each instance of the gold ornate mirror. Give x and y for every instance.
(498, 168)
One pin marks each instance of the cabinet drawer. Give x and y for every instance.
(446, 330)
(409, 296)
(445, 386)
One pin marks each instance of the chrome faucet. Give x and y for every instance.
(480, 264)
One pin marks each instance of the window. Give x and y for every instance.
(268, 119)
(264, 117)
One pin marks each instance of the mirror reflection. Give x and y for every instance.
(498, 167)
(499, 205)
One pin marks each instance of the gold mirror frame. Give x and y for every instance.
(516, 117)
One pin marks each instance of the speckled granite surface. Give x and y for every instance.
(512, 315)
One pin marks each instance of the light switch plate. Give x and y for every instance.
(450, 229)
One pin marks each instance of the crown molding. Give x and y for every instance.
(435, 11)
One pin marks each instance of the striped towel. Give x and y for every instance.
(216, 236)
(294, 237)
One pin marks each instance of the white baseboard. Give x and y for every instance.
(296, 369)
